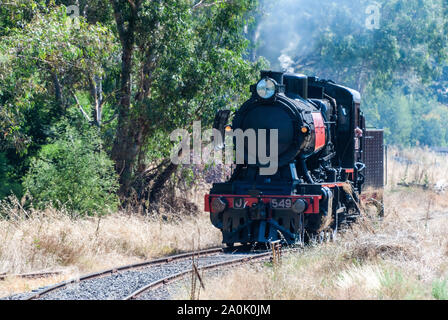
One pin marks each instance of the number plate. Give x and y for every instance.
(239, 203)
(281, 203)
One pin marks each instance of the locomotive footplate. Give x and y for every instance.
(276, 202)
(258, 210)
(261, 218)
(237, 226)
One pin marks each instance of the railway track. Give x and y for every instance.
(156, 284)
(33, 275)
(132, 281)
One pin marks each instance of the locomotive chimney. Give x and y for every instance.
(277, 76)
(296, 85)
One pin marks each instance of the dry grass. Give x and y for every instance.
(13, 284)
(417, 166)
(51, 240)
(402, 256)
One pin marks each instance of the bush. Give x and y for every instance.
(407, 119)
(8, 183)
(73, 172)
(440, 290)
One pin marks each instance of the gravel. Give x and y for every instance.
(173, 291)
(121, 284)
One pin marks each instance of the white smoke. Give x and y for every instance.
(286, 63)
(290, 29)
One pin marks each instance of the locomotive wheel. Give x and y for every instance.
(330, 234)
(315, 238)
(322, 237)
(327, 236)
(333, 235)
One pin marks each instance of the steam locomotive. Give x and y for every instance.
(315, 190)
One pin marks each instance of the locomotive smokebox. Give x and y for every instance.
(296, 85)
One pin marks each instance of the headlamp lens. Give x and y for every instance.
(266, 88)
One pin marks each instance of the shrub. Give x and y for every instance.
(440, 289)
(74, 172)
(8, 184)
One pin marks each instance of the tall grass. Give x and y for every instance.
(54, 240)
(440, 289)
(401, 256)
(417, 166)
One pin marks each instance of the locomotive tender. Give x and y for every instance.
(320, 169)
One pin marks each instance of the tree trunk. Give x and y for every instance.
(96, 90)
(58, 90)
(158, 185)
(125, 148)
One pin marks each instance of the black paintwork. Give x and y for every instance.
(302, 169)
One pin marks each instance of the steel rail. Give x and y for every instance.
(179, 275)
(33, 275)
(134, 266)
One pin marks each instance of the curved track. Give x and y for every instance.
(226, 263)
(130, 281)
(116, 271)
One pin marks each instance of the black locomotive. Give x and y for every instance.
(320, 169)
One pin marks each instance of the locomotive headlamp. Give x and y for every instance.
(218, 205)
(266, 88)
(299, 206)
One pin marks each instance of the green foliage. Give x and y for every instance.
(8, 183)
(42, 65)
(73, 172)
(47, 61)
(330, 39)
(17, 13)
(139, 69)
(186, 60)
(200, 66)
(396, 68)
(93, 11)
(440, 290)
(408, 119)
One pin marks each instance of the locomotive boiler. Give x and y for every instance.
(315, 188)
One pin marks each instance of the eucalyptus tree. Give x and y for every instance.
(180, 61)
(335, 40)
(136, 69)
(44, 66)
